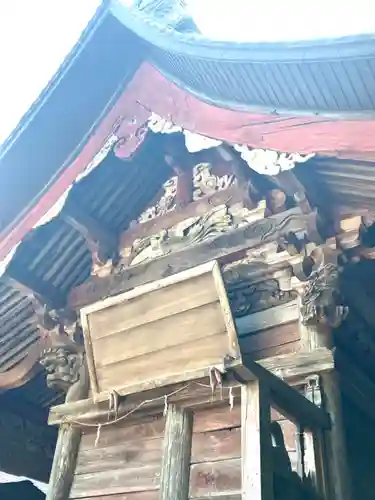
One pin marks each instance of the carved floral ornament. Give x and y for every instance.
(205, 183)
(192, 231)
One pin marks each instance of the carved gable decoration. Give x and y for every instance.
(194, 230)
(205, 182)
(172, 330)
(165, 204)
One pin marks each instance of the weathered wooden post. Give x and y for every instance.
(175, 470)
(321, 310)
(256, 443)
(66, 369)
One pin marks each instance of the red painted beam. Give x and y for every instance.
(328, 136)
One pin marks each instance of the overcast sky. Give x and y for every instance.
(36, 35)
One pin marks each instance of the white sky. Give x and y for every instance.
(36, 35)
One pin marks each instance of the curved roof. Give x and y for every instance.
(330, 76)
(324, 80)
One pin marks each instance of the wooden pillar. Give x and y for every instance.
(339, 472)
(330, 445)
(175, 471)
(257, 467)
(67, 447)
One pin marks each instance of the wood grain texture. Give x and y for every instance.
(217, 445)
(175, 467)
(125, 450)
(269, 340)
(220, 248)
(256, 444)
(291, 367)
(273, 317)
(67, 446)
(130, 454)
(123, 480)
(139, 495)
(213, 478)
(337, 461)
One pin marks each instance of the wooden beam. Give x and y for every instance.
(337, 461)
(335, 136)
(249, 236)
(294, 367)
(100, 239)
(286, 399)
(256, 442)
(175, 468)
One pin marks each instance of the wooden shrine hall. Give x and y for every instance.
(188, 278)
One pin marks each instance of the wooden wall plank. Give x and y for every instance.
(217, 445)
(270, 337)
(154, 495)
(153, 337)
(116, 481)
(165, 302)
(273, 317)
(212, 478)
(164, 364)
(125, 464)
(289, 348)
(217, 416)
(123, 432)
(130, 454)
(139, 495)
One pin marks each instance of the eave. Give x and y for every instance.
(59, 143)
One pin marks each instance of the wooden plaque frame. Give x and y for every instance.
(210, 274)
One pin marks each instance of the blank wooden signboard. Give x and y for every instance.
(161, 333)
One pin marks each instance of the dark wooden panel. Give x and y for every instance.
(130, 454)
(211, 478)
(218, 417)
(139, 495)
(116, 481)
(123, 432)
(289, 348)
(154, 495)
(216, 445)
(271, 337)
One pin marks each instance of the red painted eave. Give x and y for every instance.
(337, 137)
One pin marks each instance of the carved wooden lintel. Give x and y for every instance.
(191, 231)
(102, 243)
(225, 246)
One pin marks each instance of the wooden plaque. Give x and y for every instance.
(161, 333)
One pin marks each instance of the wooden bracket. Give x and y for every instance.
(101, 241)
(261, 390)
(287, 400)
